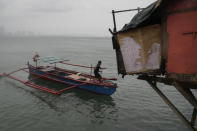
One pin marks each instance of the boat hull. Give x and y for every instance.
(98, 88)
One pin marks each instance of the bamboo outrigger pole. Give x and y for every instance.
(79, 65)
(36, 86)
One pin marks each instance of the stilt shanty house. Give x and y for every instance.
(160, 45)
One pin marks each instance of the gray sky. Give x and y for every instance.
(65, 17)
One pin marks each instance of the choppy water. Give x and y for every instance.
(134, 107)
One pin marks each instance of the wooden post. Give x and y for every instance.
(186, 92)
(193, 117)
(119, 11)
(91, 70)
(138, 9)
(114, 20)
(168, 102)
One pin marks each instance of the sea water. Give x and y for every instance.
(134, 106)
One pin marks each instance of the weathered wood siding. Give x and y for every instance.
(141, 49)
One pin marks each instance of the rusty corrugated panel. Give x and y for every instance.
(175, 6)
(141, 49)
(182, 51)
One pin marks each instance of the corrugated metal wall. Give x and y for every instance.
(182, 29)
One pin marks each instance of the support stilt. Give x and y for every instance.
(186, 92)
(173, 107)
(193, 117)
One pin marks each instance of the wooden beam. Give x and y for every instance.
(137, 9)
(171, 105)
(193, 117)
(186, 92)
(114, 20)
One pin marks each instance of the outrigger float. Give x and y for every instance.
(71, 79)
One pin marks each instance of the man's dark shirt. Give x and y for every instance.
(97, 68)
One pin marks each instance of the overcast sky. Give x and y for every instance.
(65, 17)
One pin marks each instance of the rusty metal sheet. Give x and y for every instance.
(140, 48)
(176, 6)
(182, 51)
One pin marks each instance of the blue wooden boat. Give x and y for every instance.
(71, 79)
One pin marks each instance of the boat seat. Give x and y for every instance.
(73, 76)
(77, 77)
(78, 74)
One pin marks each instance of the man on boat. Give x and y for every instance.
(97, 70)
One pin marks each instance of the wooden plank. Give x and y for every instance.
(192, 78)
